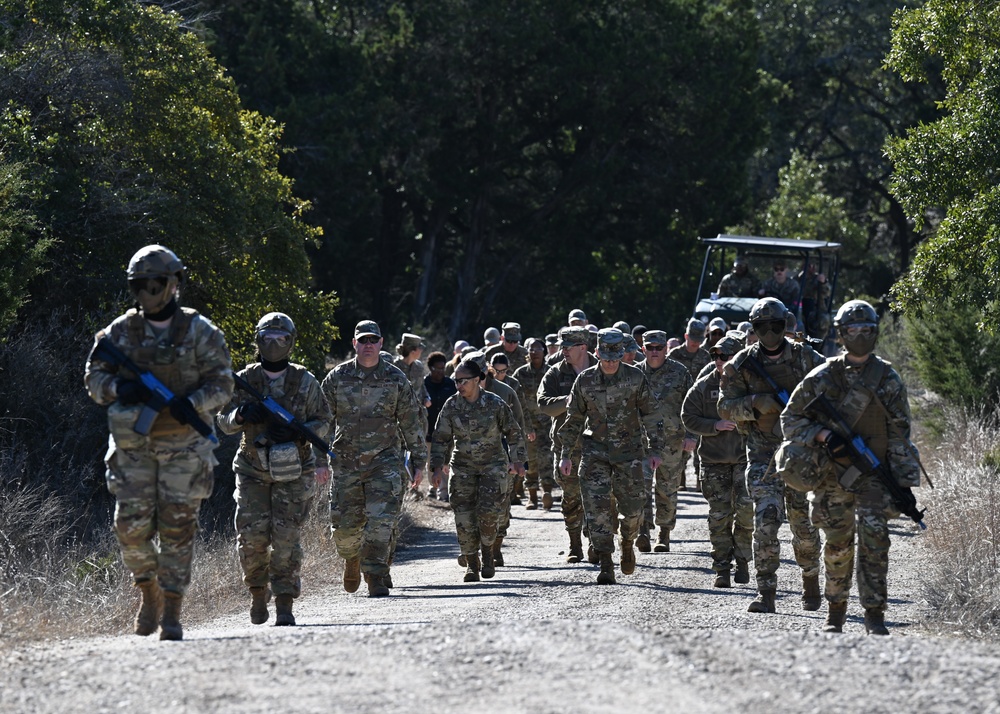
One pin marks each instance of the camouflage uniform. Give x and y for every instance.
(371, 409)
(723, 478)
(733, 285)
(608, 415)
(695, 362)
(471, 434)
(509, 396)
(516, 358)
(160, 480)
(270, 513)
(540, 468)
(873, 399)
(788, 292)
(815, 315)
(667, 385)
(739, 385)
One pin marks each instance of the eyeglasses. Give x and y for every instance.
(775, 326)
(501, 371)
(462, 380)
(368, 340)
(855, 330)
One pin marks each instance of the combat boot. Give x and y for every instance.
(875, 622)
(607, 574)
(593, 557)
(764, 601)
(258, 604)
(376, 588)
(575, 547)
(532, 500)
(462, 560)
(148, 617)
(283, 611)
(387, 579)
(488, 569)
(836, 615)
(170, 622)
(811, 597)
(519, 486)
(515, 500)
(352, 575)
(547, 500)
(472, 572)
(742, 572)
(642, 541)
(497, 553)
(722, 579)
(628, 558)
(662, 541)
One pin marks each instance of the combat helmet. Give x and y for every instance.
(151, 272)
(857, 327)
(275, 336)
(768, 319)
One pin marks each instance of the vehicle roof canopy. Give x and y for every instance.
(776, 243)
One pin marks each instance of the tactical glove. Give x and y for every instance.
(252, 413)
(837, 446)
(131, 392)
(280, 433)
(766, 404)
(182, 410)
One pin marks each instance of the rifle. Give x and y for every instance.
(759, 370)
(866, 461)
(161, 396)
(284, 416)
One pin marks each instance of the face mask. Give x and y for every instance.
(770, 333)
(152, 294)
(859, 340)
(274, 345)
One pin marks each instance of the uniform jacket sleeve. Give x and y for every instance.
(443, 438)
(511, 428)
(694, 410)
(576, 416)
(550, 402)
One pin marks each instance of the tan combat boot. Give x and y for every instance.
(575, 548)
(376, 588)
(662, 541)
(283, 611)
(497, 553)
(764, 601)
(875, 622)
(836, 615)
(722, 579)
(170, 622)
(811, 597)
(259, 597)
(148, 617)
(387, 579)
(628, 558)
(532, 500)
(487, 570)
(642, 540)
(742, 572)
(352, 575)
(607, 574)
(547, 500)
(472, 572)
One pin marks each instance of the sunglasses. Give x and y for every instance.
(775, 326)
(462, 380)
(368, 340)
(721, 358)
(150, 285)
(654, 348)
(500, 370)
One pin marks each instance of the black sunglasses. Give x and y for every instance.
(368, 340)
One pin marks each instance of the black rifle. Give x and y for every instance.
(160, 396)
(758, 368)
(284, 416)
(867, 462)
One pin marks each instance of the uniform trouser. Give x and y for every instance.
(600, 480)
(769, 498)
(368, 501)
(730, 513)
(477, 499)
(663, 487)
(839, 514)
(503, 520)
(269, 519)
(540, 472)
(156, 517)
(572, 499)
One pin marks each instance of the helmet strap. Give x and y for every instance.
(165, 314)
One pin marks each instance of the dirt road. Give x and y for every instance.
(540, 637)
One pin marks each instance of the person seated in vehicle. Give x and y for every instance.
(740, 282)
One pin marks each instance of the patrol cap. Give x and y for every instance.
(569, 336)
(654, 337)
(727, 346)
(366, 327)
(533, 342)
(491, 336)
(459, 346)
(745, 327)
(411, 340)
(478, 357)
(717, 323)
(592, 328)
(695, 329)
(630, 344)
(638, 330)
(610, 344)
(512, 332)
(623, 326)
(552, 339)
(576, 314)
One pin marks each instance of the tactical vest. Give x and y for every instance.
(290, 400)
(786, 375)
(860, 406)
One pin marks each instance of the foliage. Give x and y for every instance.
(23, 243)
(949, 166)
(134, 135)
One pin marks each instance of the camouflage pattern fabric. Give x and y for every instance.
(730, 513)
(540, 467)
(660, 488)
(694, 361)
(885, 425)
(509, 395)
(815, 316)
(788, 292)
(610, 489)
(516, 358)
(160, 480)
(733, 285)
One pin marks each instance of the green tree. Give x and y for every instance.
(23, 243)
(946, 170)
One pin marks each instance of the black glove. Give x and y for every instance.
(182, 409)
(280, 433)
(837, 446)
(252, 413)
(131, 392)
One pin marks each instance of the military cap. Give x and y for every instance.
(695, 329)
(610, 344)
(654, 337)
(630, 344)
(466, 350)
(569, 336)
(477, 356)
(638, 330)
(491, 336)
(623, 326)
(745, 327)
(576, 314)
(366, 327)
(532, 342)
(717, 323)
(459, 346)
(410, 340)
(552, 339)
(512, 331)
(728, 346)
(592, 328)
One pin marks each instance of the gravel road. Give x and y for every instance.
(540, 637)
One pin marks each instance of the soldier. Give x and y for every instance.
(869, 394)
(491, 337)
(511, 347)
(456, 357)
(739, 282)
(553, 396)
(753, 402)
(407, 360)
(717, 329)
(275, 468)
(159, 480)
(501, 371)
(815, 295)
(668, 381)
(723, 470)
(470, 430)
(608, 412)
(372, 404)
(781, 287)
(439, 388)
(551, 344)
(692, 355)
(577, 318)
(539, 472)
